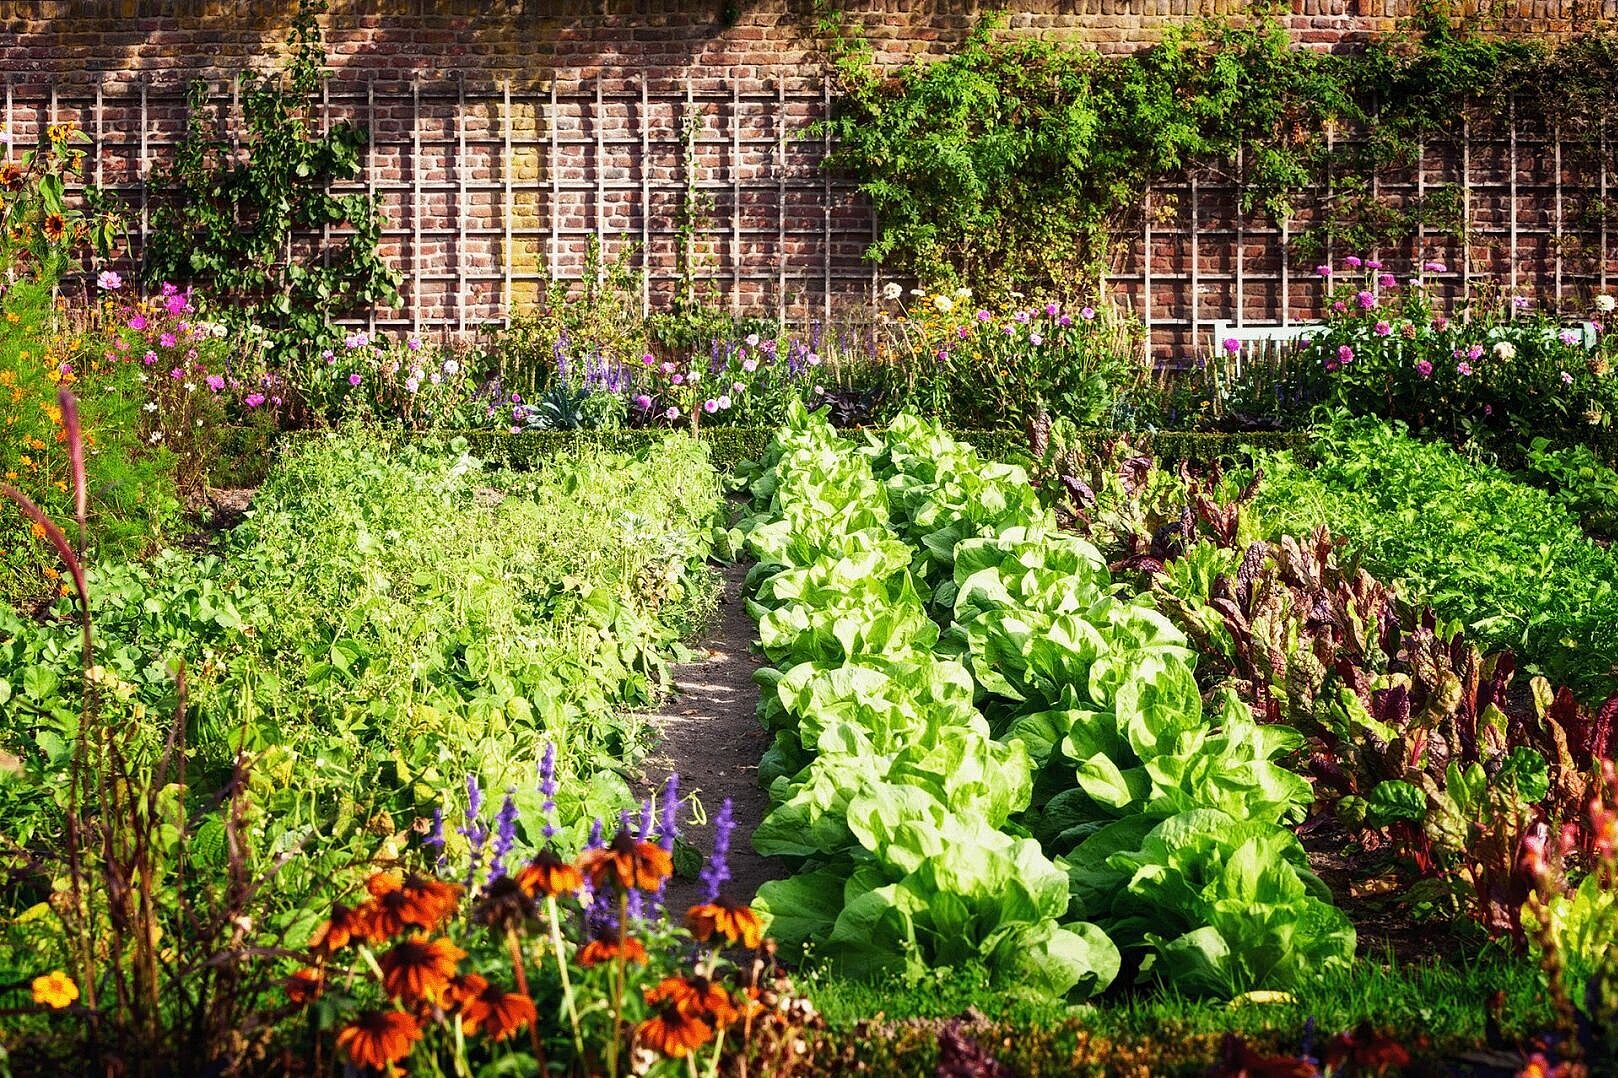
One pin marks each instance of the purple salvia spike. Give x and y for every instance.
(717, 870)
(596, 841)
(547, 786)
(474, 799)
(435, 837)
(668, 823)
(505, 836)
(647, 816)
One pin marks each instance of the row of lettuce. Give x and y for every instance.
(988, 751)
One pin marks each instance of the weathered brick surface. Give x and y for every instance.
(484, 199)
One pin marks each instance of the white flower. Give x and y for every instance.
(813, 359)
(451, 367)
(963, 293)
(892, 291)
(156, 436)
(943, 303)
(1606, 304)
(149, 406)
(1505, 350)
(218, 329)
(724, 401)
(411, 385)
(435, 379)
(918, 292)
(191, 387)
(820, 391)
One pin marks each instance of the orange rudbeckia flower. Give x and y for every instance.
(463, 988)
(674, 1033)
(735, 923)
(695, 995)
(499, 1013)
(598, 951)
(628, 862)
(548, 876)
(304, 986)
(419, 968)
(379, 1039)
(342, 927)
(400, 902)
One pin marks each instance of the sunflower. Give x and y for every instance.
(343, 926)
(728, 919)
(674, 1033)
(10, 176)
(598, 951)
(55, 227)
(379, 1039)
(549, 876)
(629, 862)
(697, 996)
(304, 986)
(419, 968)
(498, 1013)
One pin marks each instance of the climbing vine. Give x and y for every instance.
(1013, 163)
(254, 221)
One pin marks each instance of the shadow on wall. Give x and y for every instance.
(432, 39)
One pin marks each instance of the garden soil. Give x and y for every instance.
(710, 736)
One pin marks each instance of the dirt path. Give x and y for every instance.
(712, 739)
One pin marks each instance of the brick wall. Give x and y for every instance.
(506, 135)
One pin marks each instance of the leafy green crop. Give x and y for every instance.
(923, 838)
(1469, 539)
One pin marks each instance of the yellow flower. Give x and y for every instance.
(55, 989)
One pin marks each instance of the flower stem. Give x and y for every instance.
(567, 982)
(519, 969)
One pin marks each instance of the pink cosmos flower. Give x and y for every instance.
(1463, 368)
(109, 281)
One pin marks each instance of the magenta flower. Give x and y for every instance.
(1353, 262)
(1383, 329)
(1345, 354)
(1434, 267)
(137, 321)
(647, 360)
(1339, 306)
(710, 406)
(1064, 322)
(253, 400)
(1232, 345)
(149, 358)
(166, 340)
(1440, 322)
(1367, 300)
(1035, 339)
(677, 379)
(1386, 280)
(1050, 310)
(216, 382)
(176, 374)
(355, 379)
(1521, 303)
(1463, 368)
(1373, 264)
(984, 316)
(1474, 352)
(1323, 271)
(672, 413)
(1569, 337)
(1424, 368)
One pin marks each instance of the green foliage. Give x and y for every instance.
(1469, 539)
(890, 786)
(1010, 163)
(1580, 480)
(230, 203)
(388, 621)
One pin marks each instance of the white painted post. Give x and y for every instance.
(507, 200)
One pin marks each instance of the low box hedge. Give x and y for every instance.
(732, 446)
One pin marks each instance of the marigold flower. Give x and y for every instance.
(419, 968)
(735, 923)
(342, 927)
(498, 1013)
(673, 1033)
(629, 863)
(55, 990)
(598, 951)
(379, 1039)
(305, 985)
(549, 876)
(697, 996)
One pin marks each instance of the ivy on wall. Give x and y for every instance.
(1011, 163)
